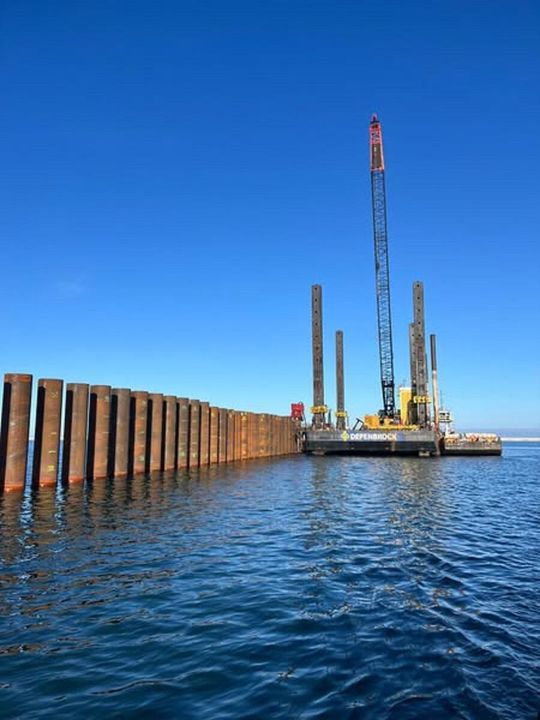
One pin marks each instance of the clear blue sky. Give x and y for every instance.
(175, 176)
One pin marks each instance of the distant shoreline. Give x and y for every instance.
(520, 439)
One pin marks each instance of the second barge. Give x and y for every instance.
(453, 443)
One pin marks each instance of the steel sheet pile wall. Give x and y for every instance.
(112, 432)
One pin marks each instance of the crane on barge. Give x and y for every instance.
(382, 270)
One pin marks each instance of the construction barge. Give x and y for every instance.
(471, 444)
(419, 426)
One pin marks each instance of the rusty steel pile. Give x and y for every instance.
(115, 432)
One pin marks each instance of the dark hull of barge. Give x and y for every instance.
(373, 442)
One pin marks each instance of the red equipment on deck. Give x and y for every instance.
(297, 411)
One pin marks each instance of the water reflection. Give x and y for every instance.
(40, 513)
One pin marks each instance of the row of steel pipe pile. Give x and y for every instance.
(97, 431)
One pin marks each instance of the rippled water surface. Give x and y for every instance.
(293, 588)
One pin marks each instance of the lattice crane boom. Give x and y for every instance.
(382, 271)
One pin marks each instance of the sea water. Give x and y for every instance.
(291, 588)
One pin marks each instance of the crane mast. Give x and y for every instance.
(382, 272)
